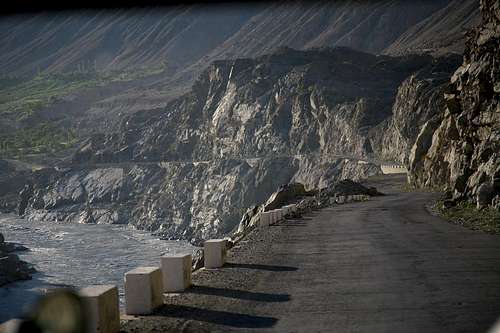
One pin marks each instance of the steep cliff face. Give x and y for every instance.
(289, 102)
(191, 169)
(248, 126)
(84, 71)
(419, 101)
(462, 154)
(180, 200)
(12, 180)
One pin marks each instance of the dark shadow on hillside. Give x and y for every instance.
(232, 319)
(239, 294)
(272, 268)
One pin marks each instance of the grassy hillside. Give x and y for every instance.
(26, 125)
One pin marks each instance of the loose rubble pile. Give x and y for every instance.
(11, 267)
(295, 193)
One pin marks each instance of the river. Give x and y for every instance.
(76, 255)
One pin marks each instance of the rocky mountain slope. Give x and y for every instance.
(178, 36)
(419, 101)
(95, 67)
(179, 200)
(286, 103)
(440, 33)
(191, 169)
(461, 152)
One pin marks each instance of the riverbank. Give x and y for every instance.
(11, 267)
(76, 255)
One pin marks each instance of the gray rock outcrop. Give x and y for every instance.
(462, 154)
(191, 169)
(11, 267)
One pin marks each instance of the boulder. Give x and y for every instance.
(484, 195)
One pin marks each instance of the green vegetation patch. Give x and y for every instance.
(466, 214)
(21, 98)
(43, 138)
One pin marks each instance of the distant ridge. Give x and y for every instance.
(194, 35)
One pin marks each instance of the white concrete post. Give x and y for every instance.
(143, 290)
(101, 305)
(215, 253)
(265, 218)
(275, 215)
(10, 326)
(176, 271)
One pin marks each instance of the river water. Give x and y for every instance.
(76, 255)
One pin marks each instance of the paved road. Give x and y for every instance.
(385, 265)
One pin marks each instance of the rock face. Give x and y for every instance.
(463, 152)
(12, 180)
(11, 267)
(419, 102)
(290, 102)
(180, 200)
(191, 169)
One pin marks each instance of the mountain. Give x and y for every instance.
(187, 163)
(190, 169)
(176, 37)
(67, 75)
(440, 33)
(461, 151)
(288, 102)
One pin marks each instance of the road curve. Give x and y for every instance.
(386, 265)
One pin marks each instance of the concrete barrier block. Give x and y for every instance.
(176, 271)
(143, 290)
(215, 253)
(101, 305)
(272, 217)
(265, 218)
(10, 326)
(275, 215)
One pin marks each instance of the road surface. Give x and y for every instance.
(386, 265)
